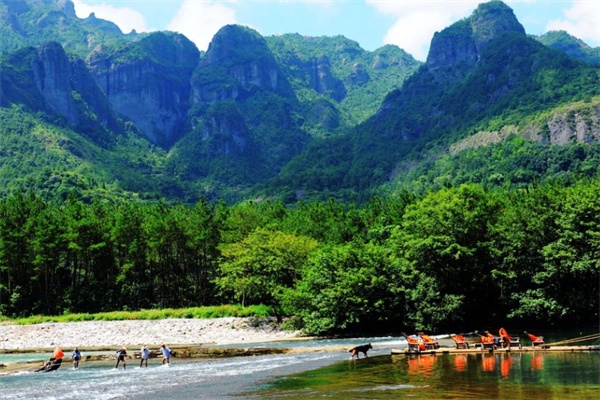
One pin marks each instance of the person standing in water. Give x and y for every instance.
(145, 353)
(166, 353)
(121, 356)
(76, 358)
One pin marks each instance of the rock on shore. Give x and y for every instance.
(134, 333)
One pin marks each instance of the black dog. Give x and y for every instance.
(360, 349)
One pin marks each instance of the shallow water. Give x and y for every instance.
(183, 379)
(449, 376)
(330, 374)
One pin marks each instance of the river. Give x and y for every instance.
(330, 374)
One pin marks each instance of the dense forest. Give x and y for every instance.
(456, 258)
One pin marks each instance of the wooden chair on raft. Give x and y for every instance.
(414, 345)
(429, 342)
(460, 341)
(508, 341)
(535, 340)
(488, 341)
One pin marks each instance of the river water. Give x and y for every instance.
(317, 375)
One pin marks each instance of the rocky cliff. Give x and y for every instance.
(148, 82)
(237, 63)
(31, 22)
(52, 73)
(463, 41)
(242, 104)
(48, 80)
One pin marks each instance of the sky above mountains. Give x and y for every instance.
(409, 24)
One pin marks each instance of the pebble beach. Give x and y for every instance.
(133, 333)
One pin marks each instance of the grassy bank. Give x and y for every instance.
(193, 312)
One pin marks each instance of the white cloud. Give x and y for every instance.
(417, 21)
(126, 18)
(200, 20)
(581, 20)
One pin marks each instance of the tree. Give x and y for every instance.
(349, 286)
(446, 240)
(259, 268)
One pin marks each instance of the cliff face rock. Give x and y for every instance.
(46, 79)
(463, 42)
(492, 19)
(52, 72)
(452, 46)
(244, 101)
(237, 63)
(228, 126)
(92, 96)
(575, 125)
(580, 123)
(148, 82)
(323, 81)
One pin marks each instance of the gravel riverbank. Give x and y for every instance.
(133, 333)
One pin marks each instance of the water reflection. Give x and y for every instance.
(465, 376)
(421, 364)
(505, 365)
(460, 362)
(489, 362)
(330, 374)
(537, 362)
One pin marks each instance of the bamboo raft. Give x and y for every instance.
(450, 350)
(564, 346)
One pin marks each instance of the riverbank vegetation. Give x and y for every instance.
(457, 258)
(206, 312)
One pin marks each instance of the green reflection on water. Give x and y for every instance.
(449, 376)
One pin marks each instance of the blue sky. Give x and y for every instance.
(410, 24)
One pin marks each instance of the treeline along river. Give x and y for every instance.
(459, 258)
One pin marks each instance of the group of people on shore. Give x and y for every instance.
(144, 355)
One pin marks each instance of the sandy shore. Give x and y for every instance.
(92, 334)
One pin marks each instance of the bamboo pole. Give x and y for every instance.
(575, 340)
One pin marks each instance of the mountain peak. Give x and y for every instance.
(492, 19)
(231, 41)
(247, 62)
(463, 41)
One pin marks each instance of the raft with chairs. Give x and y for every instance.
(488, 342)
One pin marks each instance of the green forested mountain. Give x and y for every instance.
(576, 48)
(32, 22)
(206, 111)
(297, 117)
(483, 76)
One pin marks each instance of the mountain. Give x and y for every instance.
(203, 114)
(234, 143)
(576, 48)
(483, 75)
(31, 22)
(148, 83)
(88, 109)
(46, 80)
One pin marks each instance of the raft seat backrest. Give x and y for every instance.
(460, 341)
(536, 340)
(414, 345)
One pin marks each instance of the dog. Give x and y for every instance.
(360, 349)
